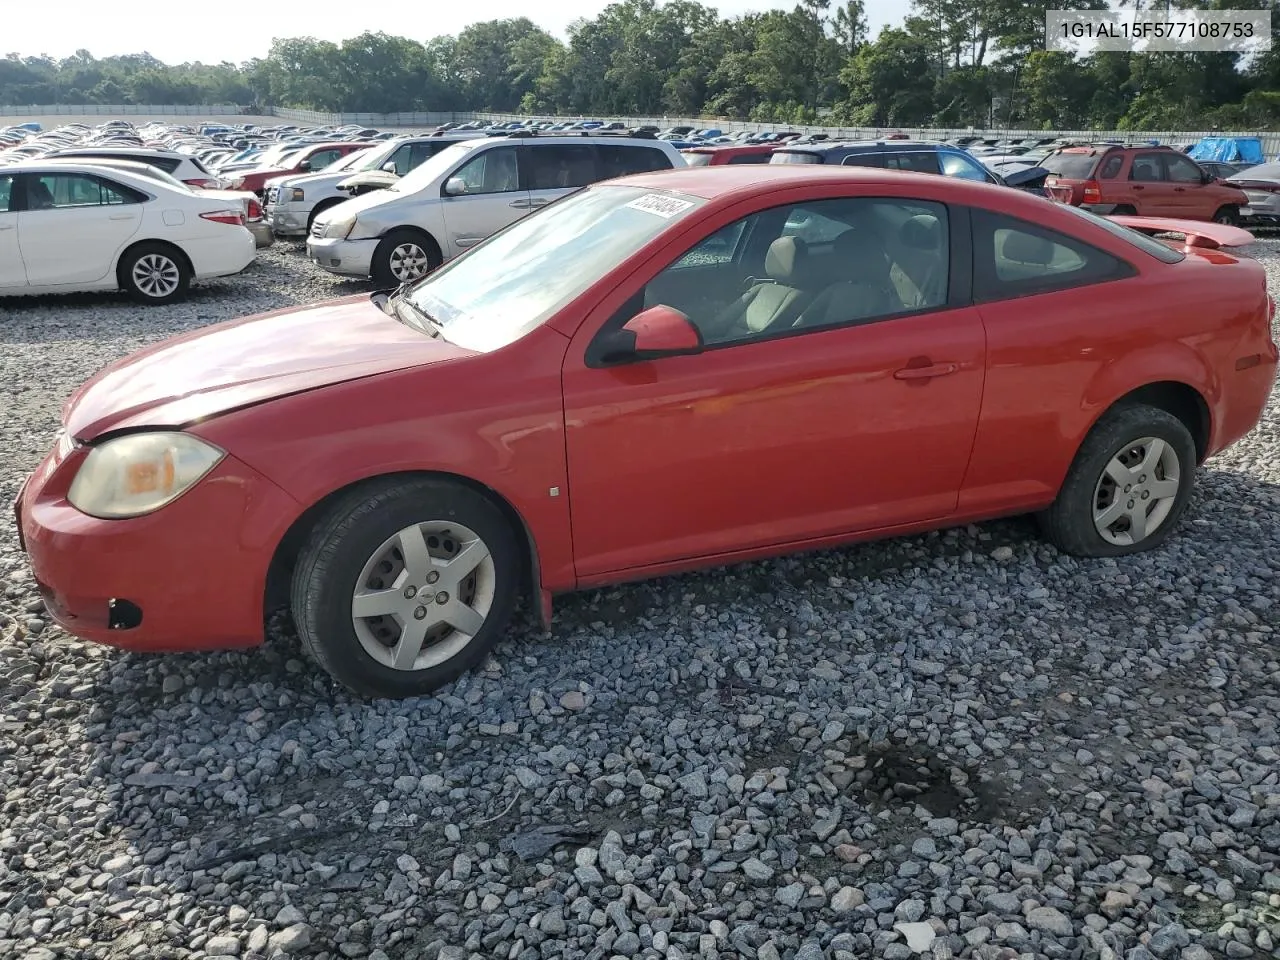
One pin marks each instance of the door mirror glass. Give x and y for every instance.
(455, 187)
(657, 332)
(389, 167)
(304, 165)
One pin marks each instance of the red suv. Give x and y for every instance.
(307, 158)
(1147, 181)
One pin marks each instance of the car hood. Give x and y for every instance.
(367, 201)
(240, 363)
(369, 178)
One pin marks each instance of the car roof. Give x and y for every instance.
(854, 146)
(744, 180)
(107, 151)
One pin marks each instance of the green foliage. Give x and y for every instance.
(951, 63)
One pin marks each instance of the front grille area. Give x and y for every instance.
(317, 229)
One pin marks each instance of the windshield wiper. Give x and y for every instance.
(421, 319)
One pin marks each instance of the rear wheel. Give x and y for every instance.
(405, 586)
(1124, 210)
(154, 273)
(1128, 486)
(1229, 215)
(403, 256)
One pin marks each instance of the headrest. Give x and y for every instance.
(785, 259)
(923, 231)
(860, 255)
(1025, 248)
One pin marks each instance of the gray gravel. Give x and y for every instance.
(955, 745)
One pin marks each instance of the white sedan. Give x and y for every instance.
(70, 227)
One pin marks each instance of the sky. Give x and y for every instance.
(158, 27)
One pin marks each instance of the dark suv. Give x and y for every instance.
(1146, 180)
(919, 156)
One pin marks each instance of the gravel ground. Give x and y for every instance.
(956, 745)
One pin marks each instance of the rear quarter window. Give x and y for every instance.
(1071, 166)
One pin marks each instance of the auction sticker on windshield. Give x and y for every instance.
(662, 206)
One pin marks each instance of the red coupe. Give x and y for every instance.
(661, 372)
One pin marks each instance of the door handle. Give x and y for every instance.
(1179, 189)
(538, 203)
(520, 204)
(6, 226)
(122, 216)
(926, 373)
(1138, 186)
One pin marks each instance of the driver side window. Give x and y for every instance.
(800, 267)
(493, 171)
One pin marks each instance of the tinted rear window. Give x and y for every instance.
(750, 158)
(1072, 166)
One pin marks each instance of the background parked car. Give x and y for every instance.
(305, 160)
(254, 220)
(178, 165)
(465, 193)
(728, 153)
(1151, 181)
(1261, 186)
(67, 228)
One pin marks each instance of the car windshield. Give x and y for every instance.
(514, 281)
(1157, 249)
(794, 156)
(433, 167)
(1072, 166)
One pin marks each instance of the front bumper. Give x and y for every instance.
(350, 258)
(190, 576)
(287, 220)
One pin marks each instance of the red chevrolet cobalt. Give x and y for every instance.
(657, 373)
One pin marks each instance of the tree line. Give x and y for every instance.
(952, 63)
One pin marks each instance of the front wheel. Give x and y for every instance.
(405, 586)
(402, 257)
(1228, 215)
(154, 273)
(1128, 486)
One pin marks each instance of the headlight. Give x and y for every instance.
(295, 194)
(140, 473)
(340, 227)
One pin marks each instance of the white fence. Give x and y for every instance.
(1270, 139)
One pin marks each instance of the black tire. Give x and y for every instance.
(347, 537)
(319, 209)
(170, 276)
(1068, 523)
(1229, 215)
(382, 270)
(1124, 210)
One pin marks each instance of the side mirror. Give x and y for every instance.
(660, 331)
(455, 187)
(389, 167)
(1207, 177)
(304, 165)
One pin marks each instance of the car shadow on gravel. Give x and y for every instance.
(202, 763)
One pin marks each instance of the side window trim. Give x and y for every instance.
(984, 276)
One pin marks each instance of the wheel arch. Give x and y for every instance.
(1174, 397)
(133, 245)
(285, 556)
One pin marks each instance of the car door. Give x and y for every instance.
(1189, 195)
(848, 411)
(553, 170)
(12, 271)
(492, 197)
(1152, 195)
(72, 226)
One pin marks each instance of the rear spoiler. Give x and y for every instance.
(1199, 233)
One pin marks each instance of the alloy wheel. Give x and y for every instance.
(1137, 491)
(423, 595)
(408, 262)
(156, 275)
